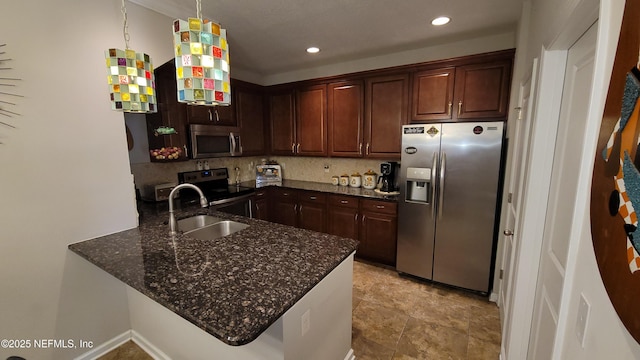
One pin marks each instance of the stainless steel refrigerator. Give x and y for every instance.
(449, 182)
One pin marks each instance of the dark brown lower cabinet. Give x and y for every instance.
(299, 208)
(261, 204)
(343, 216)
(312, 211)
(374, 223)
(284, 206)
(378, 231)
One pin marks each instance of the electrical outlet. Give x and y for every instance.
(306, 322)
(251, 166)
(282, 165)
(583, 317)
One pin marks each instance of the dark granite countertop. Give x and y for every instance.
(234, 287)
(330, 188)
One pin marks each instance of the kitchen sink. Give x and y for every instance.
(196, 222)
(217, 230)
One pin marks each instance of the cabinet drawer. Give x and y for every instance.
(260, 194)
(314, 197)
(343, 201)
(284, 193)
(384, 207)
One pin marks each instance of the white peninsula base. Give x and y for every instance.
(318, 327)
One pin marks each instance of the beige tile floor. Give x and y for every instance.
(126, 351)
(396, 317)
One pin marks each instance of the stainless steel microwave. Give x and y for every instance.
(209, 141)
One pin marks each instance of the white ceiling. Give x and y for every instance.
(270, 36)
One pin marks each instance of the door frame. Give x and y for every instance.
(545, 105)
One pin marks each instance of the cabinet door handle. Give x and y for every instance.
(355, 217)
(450, 106)
(186, 153)
(368, 148)
(360, 149)
(459, 107)
(210, 115)
(217, 115)
(300, 209)
(293, 148)
(298, 148)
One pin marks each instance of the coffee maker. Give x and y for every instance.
(387, 178)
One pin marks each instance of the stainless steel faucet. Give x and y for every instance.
(172, 218)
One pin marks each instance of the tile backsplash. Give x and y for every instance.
(313, 168)
(293, 167)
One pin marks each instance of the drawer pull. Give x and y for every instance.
(344, 201)
(312, 197)
(380, 206)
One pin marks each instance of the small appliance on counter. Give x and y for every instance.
(268, 175)
(387, 179)
(157, 192)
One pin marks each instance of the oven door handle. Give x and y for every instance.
(231, 199)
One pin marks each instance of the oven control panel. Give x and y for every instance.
(202, 175)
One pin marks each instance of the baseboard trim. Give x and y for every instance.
(147, 346)
(350, 355)
(105, 347)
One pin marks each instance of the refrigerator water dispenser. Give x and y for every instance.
(418, 185)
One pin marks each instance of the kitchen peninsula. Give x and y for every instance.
(266, 292)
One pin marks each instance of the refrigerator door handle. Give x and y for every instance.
(433, 179)
(443, 168)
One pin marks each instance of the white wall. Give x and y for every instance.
(64, 171)
(606, 337)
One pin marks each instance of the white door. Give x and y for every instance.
(562, 195)
(517, 160)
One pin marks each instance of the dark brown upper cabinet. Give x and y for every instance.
(475, 89)
(282, 120)
(249, 101)
(311, 121)
(213, 115)
(346, 118)
(386, 110)
(482, 90)
(432, 97)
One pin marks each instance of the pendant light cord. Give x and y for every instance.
(125, 25)
(199, 9)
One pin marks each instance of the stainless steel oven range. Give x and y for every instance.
(223, 197)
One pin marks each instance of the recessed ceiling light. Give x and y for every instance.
(313, 50)
(440, 21)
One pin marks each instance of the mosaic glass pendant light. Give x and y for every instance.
(130, 77)
(202, 61)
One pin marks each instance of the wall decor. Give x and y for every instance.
(8, 90)
(615, 190)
